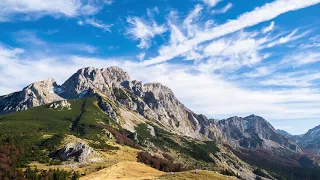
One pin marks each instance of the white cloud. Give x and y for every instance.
(258, 15)
(302, 58)
(141, 56)
(211, 3)
(290, 37)
(223, 10)
(96, 23)
(108, 2)
(288, 62)
(31, 41)
(189, 24)
(297, 79)
(268, 28)
(144, 31)
(235, 51)
(260, 72)
(32, 9)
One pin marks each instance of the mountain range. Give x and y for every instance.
(149, 115)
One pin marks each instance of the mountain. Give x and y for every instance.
(103, 106)
(36, 94)
(307, 141)
(311, 140)
(153, 101)
(285, 134)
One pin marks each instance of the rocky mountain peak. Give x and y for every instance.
(252, 132)
(103, 80)
(157, 88)
(35, 94)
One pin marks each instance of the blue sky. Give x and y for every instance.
(221, 58)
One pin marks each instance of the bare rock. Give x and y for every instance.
(36, 94)
(61, 105)
(78, 151)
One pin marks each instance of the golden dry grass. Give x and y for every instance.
(125, 170)
(195, 175)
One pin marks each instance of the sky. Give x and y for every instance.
(221, 58)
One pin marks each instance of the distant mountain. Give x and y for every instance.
(311, 140)
(139, 108)
(307, 141)
(285, 133)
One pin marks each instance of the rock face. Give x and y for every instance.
(36, 94)
(102, 80)
(61, 105)
(154, 101)
(249, 132)
(78, 151)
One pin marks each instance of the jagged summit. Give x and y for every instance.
(35, 94)
(100, 79)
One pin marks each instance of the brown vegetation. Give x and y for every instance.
(159, 163)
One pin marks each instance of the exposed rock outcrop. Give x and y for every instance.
(61, 105)
(78, 152)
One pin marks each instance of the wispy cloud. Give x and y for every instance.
(258, 15)
(290, 37)
(96, 23)
(260, 71)
(33, 43)
(223, 10)
(144, 31)
(211, 3)
(268, 28)
(141, 56)
(303, 58)
(108, 2)
(296, 79)
(189, 24)
(34, 9)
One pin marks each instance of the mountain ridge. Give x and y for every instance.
(151, 100)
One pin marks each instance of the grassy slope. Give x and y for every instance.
(190, 152)
(195, 175)
(38, 129)
(125, 170)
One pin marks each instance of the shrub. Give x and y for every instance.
(159, 163)
(168, 157)
(260, 172)
(121, 137)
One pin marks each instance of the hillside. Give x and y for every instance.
(99, 118)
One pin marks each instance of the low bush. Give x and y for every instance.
(159, 163)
